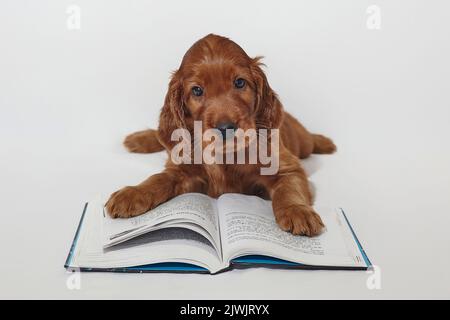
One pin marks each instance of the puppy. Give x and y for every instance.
(219, 84)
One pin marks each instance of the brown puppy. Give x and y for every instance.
(219, 83)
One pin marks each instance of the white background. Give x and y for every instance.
(68, 98)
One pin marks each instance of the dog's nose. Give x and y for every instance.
(224, 126)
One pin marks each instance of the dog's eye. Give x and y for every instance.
(197, 91)
(239, 83)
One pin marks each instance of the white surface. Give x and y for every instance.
(68, 98)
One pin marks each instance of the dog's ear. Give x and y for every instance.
(269, 111)
(173, 112)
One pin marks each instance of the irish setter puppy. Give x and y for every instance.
(220, 85)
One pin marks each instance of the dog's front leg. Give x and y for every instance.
(134, 200)
(291, 202)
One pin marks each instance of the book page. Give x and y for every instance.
(169, 245)
(193, 211)
(248, 227)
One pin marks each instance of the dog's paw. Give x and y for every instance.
(128, 202)
(300, 220)
(136, 142)
(143, 142)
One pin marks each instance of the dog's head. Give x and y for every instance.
(220, 85)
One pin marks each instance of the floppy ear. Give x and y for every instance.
(269, 111)
(173, 112)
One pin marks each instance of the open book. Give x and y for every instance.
(196, 233)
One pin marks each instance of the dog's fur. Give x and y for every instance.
(213, 63)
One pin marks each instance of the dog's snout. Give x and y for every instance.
(225, 127)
